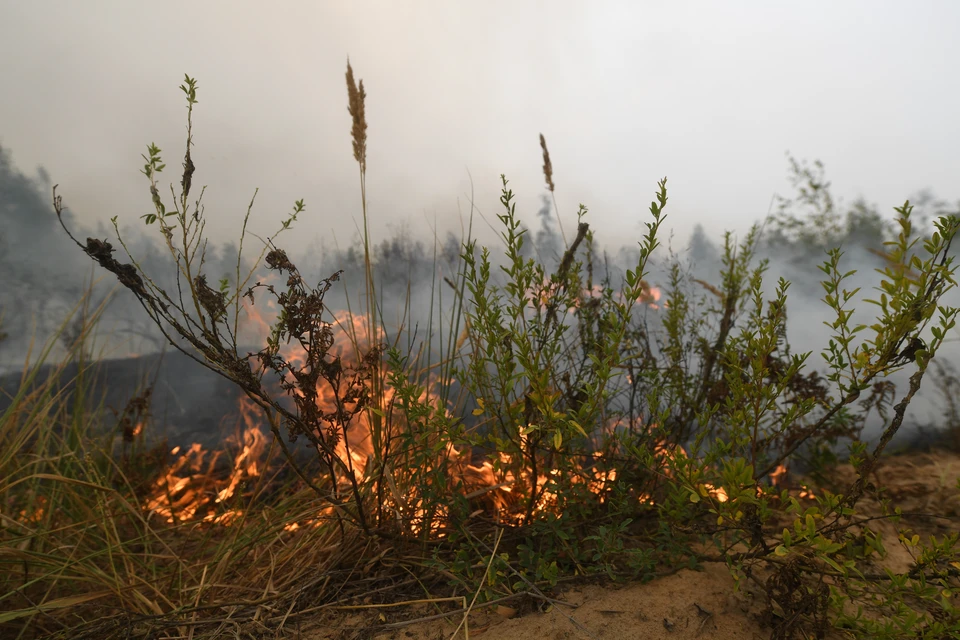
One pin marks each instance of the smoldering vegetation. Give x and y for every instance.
(44, 277)
(571, 410)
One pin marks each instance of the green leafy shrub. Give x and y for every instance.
(615, 441)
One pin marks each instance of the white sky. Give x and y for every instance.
(710, 94)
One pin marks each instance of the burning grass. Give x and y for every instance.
(553, 426)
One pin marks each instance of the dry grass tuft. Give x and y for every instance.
(357, 96)
(547, 165)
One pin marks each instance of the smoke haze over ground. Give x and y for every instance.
(710, 95)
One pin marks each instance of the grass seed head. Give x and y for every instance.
(357, 95)
(547, 165)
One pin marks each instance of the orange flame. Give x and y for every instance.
(649, 295)
(778, 478)
(189, 486)
(188, 490)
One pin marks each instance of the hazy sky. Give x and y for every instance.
(710, 94)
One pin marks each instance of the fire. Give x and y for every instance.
(593, 293)
(350, 337)
(670, 454)
(191, 486)
(650, 295)
(194, 488)
(246, 464)
(254, 325)
(172, 498)
(545, 291)
(36, 515)
(717, 492)
(779, 477)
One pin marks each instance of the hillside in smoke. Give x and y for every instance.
(42, 272)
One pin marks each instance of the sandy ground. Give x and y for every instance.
(687, 604)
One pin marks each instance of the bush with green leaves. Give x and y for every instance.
(615, 439)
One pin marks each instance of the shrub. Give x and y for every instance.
(608, 440)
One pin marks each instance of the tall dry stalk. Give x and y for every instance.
(357, 95)
(548, 175)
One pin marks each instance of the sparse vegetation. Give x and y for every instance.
(558, 423)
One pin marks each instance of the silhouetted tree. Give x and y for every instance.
(702, 251)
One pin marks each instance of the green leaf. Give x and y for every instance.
(832, 564)
(576, 425)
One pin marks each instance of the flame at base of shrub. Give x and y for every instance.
(201, 485)
(198, 486)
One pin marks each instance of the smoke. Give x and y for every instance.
(795, 242)
(42, 274)
(45, 276)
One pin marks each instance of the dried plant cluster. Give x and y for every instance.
(558, 428)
